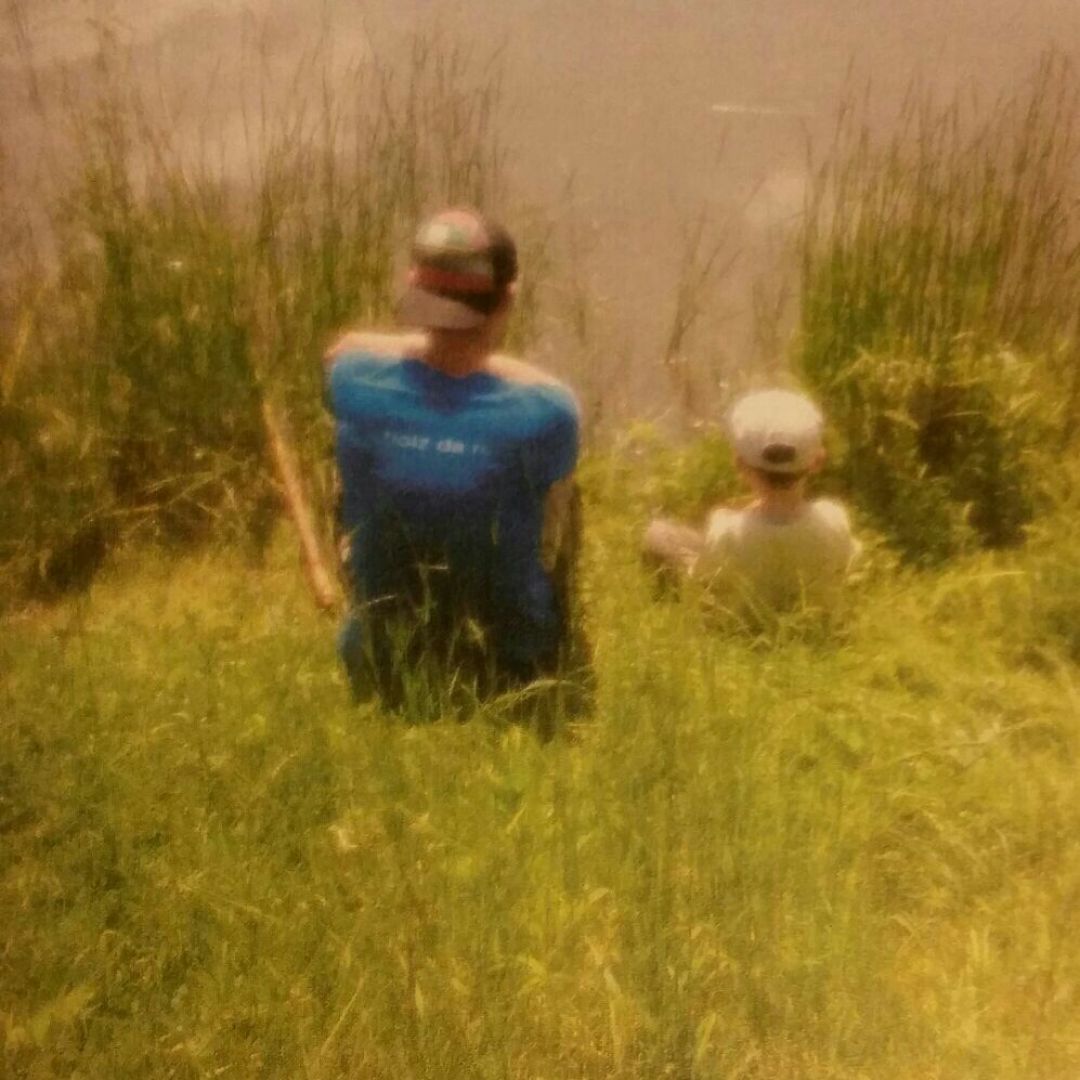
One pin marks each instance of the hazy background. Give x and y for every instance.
(629, 120)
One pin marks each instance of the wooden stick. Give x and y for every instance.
(323, 587)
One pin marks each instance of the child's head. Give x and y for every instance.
(777, 438)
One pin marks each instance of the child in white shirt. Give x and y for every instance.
(783, 551)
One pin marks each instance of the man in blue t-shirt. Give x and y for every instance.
(458, 501)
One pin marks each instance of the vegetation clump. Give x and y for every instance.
(940, 285)
(173, 290)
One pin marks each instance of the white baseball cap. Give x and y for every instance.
(777, 431)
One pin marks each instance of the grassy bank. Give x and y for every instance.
(849, 856)
(844, 859)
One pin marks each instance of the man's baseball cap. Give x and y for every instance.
(461, 267)
(777, 431)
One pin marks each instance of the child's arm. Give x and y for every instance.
(669, 543)
(714, 542)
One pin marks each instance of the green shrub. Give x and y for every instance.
(941, 459)
(940, 284)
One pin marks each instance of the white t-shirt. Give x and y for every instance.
(779, 564)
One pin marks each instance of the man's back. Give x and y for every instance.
(456, 468)
(445, 484)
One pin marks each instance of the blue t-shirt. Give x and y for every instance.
(444, 481)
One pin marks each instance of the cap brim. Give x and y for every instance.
(794, 469)
(426, 310)
(802, 462)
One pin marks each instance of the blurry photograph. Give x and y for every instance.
(536, 539)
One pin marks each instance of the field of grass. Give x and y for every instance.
(844, 855)
(846, 858)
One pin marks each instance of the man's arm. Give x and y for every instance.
(560, 538)
(560, 552)
(551, 461)
(386, 346)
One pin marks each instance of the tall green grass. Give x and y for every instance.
(771, 859)
(940, 286)
(177, 283)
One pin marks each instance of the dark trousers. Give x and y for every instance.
(424, 672)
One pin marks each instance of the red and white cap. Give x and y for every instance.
(461, 267)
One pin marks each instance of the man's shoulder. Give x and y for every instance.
(530, 377)
(374, 346)
(362, 368)
(549, 405)
(520, 372)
